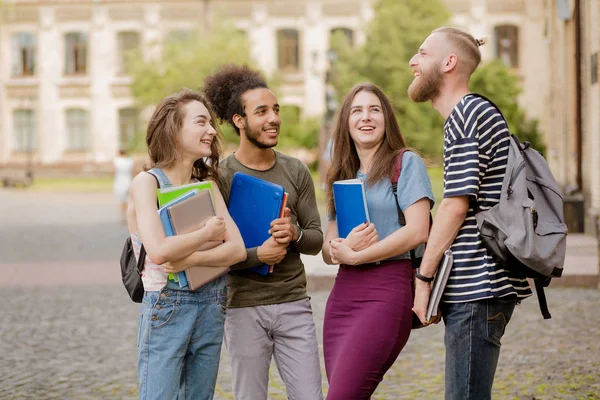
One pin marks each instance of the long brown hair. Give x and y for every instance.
(163, 133)
(345, 162)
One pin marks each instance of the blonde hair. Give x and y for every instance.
(465, 44)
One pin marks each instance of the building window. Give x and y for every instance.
(127, 42)
(75, 53)
(507, 44)
(23, 54)
(24, 135)
(348, 34)
(77, 129)
(128, 126)
(288, 48)
(180, 36)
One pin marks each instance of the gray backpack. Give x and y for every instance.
(525, 232)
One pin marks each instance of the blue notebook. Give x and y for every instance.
(350, 201)
(163, 214)
(253, 204)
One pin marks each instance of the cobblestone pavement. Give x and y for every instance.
(78, 341)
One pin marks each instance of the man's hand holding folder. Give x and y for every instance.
(282, 232)
(271, 252)
(282, 229)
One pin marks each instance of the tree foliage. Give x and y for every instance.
(185, 64)
(393, 37)
(498, 82)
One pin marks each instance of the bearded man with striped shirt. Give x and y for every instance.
(480, 296)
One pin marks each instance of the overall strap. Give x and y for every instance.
(158, 173)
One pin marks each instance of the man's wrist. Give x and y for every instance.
(298, 234)
(422, 277)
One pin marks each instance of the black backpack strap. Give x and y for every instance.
(142, 259)
(541, 295)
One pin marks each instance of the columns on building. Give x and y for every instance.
(314, 49)
(104, 139)
(51, 127)
(480, 27)
(263, 43)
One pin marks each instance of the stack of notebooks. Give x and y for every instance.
(184, 209)
(253, 204)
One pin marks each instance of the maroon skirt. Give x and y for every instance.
(368, 320)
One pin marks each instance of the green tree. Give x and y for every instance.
(498, 82)
(185, 63)
(393, 37)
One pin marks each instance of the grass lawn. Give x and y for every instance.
(104, 184)
(73, 184)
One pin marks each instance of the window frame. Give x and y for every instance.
(22, 53)
(125, 139)
(24, 130)
(123, 48)
(288, 50)
(75, 62)
(510, 32)
(77, 129)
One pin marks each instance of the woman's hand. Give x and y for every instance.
(215, 228)
(342, 254)
(174, 267)
(362, 236)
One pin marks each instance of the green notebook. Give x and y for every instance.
(167, 194)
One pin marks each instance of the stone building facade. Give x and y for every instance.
(573, 107)
(65, 96)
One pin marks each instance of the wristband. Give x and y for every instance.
(299, 233)
(423, 277)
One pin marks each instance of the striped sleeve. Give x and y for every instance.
(463, 166)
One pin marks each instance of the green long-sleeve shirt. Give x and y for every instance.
(288, 280)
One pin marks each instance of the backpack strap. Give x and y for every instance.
(401, 217)
(394, 181)
(541, 295)
(142, 258)
(538, 282)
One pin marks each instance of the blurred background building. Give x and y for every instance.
(65, 95)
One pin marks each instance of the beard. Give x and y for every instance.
(426, 86)
(254, 137)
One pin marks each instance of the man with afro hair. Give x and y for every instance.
(268, 315)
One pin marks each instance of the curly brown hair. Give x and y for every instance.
(224, 90)
(163, 131)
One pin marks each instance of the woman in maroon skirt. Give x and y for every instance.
(368, 316)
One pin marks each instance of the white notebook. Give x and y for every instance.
(439, 284)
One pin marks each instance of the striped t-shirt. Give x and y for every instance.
(476, 142)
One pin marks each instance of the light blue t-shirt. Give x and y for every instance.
(413, 186)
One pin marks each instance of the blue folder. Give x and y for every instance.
(253, 204)
(350, 202)
(165, 219)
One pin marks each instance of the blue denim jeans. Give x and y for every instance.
(472, 338)
(179, 342)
